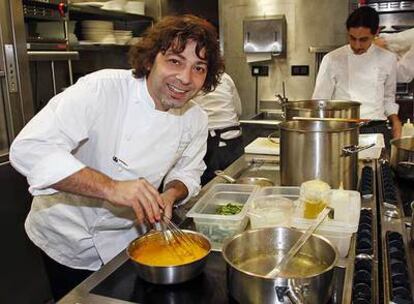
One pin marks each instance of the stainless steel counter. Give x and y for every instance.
(247, 165)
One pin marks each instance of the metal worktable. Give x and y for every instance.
(117, 282)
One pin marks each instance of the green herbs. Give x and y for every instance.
(229, 209)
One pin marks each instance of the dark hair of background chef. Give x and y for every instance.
(364, 16)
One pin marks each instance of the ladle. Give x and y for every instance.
(299, 243)
(247, 180)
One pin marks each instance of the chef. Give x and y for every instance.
(96, 154)
(224, 143)
(363, 72)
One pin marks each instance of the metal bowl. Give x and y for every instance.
(169, 274)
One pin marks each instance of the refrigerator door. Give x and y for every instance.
(16, 105)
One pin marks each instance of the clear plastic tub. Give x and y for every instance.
(337, 231)
(219, 227)
(272, 206)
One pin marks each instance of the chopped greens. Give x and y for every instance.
(229, 209)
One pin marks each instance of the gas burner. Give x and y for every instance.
(389, 189)
(364, 233)
(398, 269)
(366, 185)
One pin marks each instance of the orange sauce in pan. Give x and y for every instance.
(156, 251)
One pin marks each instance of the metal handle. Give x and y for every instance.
(53, 55)
(228, 178)
(269, 138)
(349, 150)
(406, 163)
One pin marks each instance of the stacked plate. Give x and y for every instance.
(122, 37)
(99, 31)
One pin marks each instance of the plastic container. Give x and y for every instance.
(272, 207)
(375, 151)
(219, 227)
(338, 232)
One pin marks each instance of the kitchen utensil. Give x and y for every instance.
(178, 241)
(322, 109)
(299, 243)
(248, 180)
(250, 255)
(169, 274)
(325, 150)
(332, 119)
(402, 156)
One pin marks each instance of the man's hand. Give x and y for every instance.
(396, 126)
(381, 42)
(140, 195)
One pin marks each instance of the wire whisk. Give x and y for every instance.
(180, 243)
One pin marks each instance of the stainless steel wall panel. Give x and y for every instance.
(309, 23)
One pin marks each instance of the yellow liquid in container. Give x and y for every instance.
(313, 208)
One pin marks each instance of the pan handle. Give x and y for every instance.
(349, 150)
(406, 163)
(225, 176)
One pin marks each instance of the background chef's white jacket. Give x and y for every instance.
(105, 114)
(369, 78)
(402, 43)
(223, 106)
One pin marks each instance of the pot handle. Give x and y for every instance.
(293, 294)
(349, 150)
(406, 163)
(225, 176)
(270, 138)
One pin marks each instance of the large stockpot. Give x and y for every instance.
(402, 156)
(321, 109)
(326, 150)
(252, 254)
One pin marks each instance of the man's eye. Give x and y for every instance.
(174, 61)
(200, 69)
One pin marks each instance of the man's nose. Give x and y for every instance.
(184, 75)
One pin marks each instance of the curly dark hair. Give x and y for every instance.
(174, 32)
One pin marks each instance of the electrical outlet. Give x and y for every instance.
(260, 70)
(300, 70)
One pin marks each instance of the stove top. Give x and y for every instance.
(210, 287)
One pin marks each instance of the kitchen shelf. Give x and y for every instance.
(98, 47)
(82, 12)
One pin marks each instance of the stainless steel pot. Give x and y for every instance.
(402, 156)
(170, 274)
(326, 150)
(321, 109)
(251, 254)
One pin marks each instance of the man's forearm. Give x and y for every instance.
(87, 182)
(177, 189)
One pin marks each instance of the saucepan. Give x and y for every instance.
(250, 255)
(171, 274)
(402, 156)
(248, 180)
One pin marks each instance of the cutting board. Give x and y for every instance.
(262, 145)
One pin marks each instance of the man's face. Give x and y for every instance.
(360, 39)
(175, 78)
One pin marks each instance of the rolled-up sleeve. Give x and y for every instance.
(390, 106)
(325, 84)
(189, 168)
(42, 150)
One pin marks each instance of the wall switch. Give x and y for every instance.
(260, 70)
(300, 70)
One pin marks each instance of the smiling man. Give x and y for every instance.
(361, 71)
(97, 154)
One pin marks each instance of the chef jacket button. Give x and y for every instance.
(119, 169)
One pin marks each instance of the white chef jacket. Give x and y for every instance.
(369, 78)
(402, 43)
(223, 106)
(105, 114)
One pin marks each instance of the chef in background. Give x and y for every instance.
(402, 44)
(97, 153)
(363, 72)
(225, 143)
